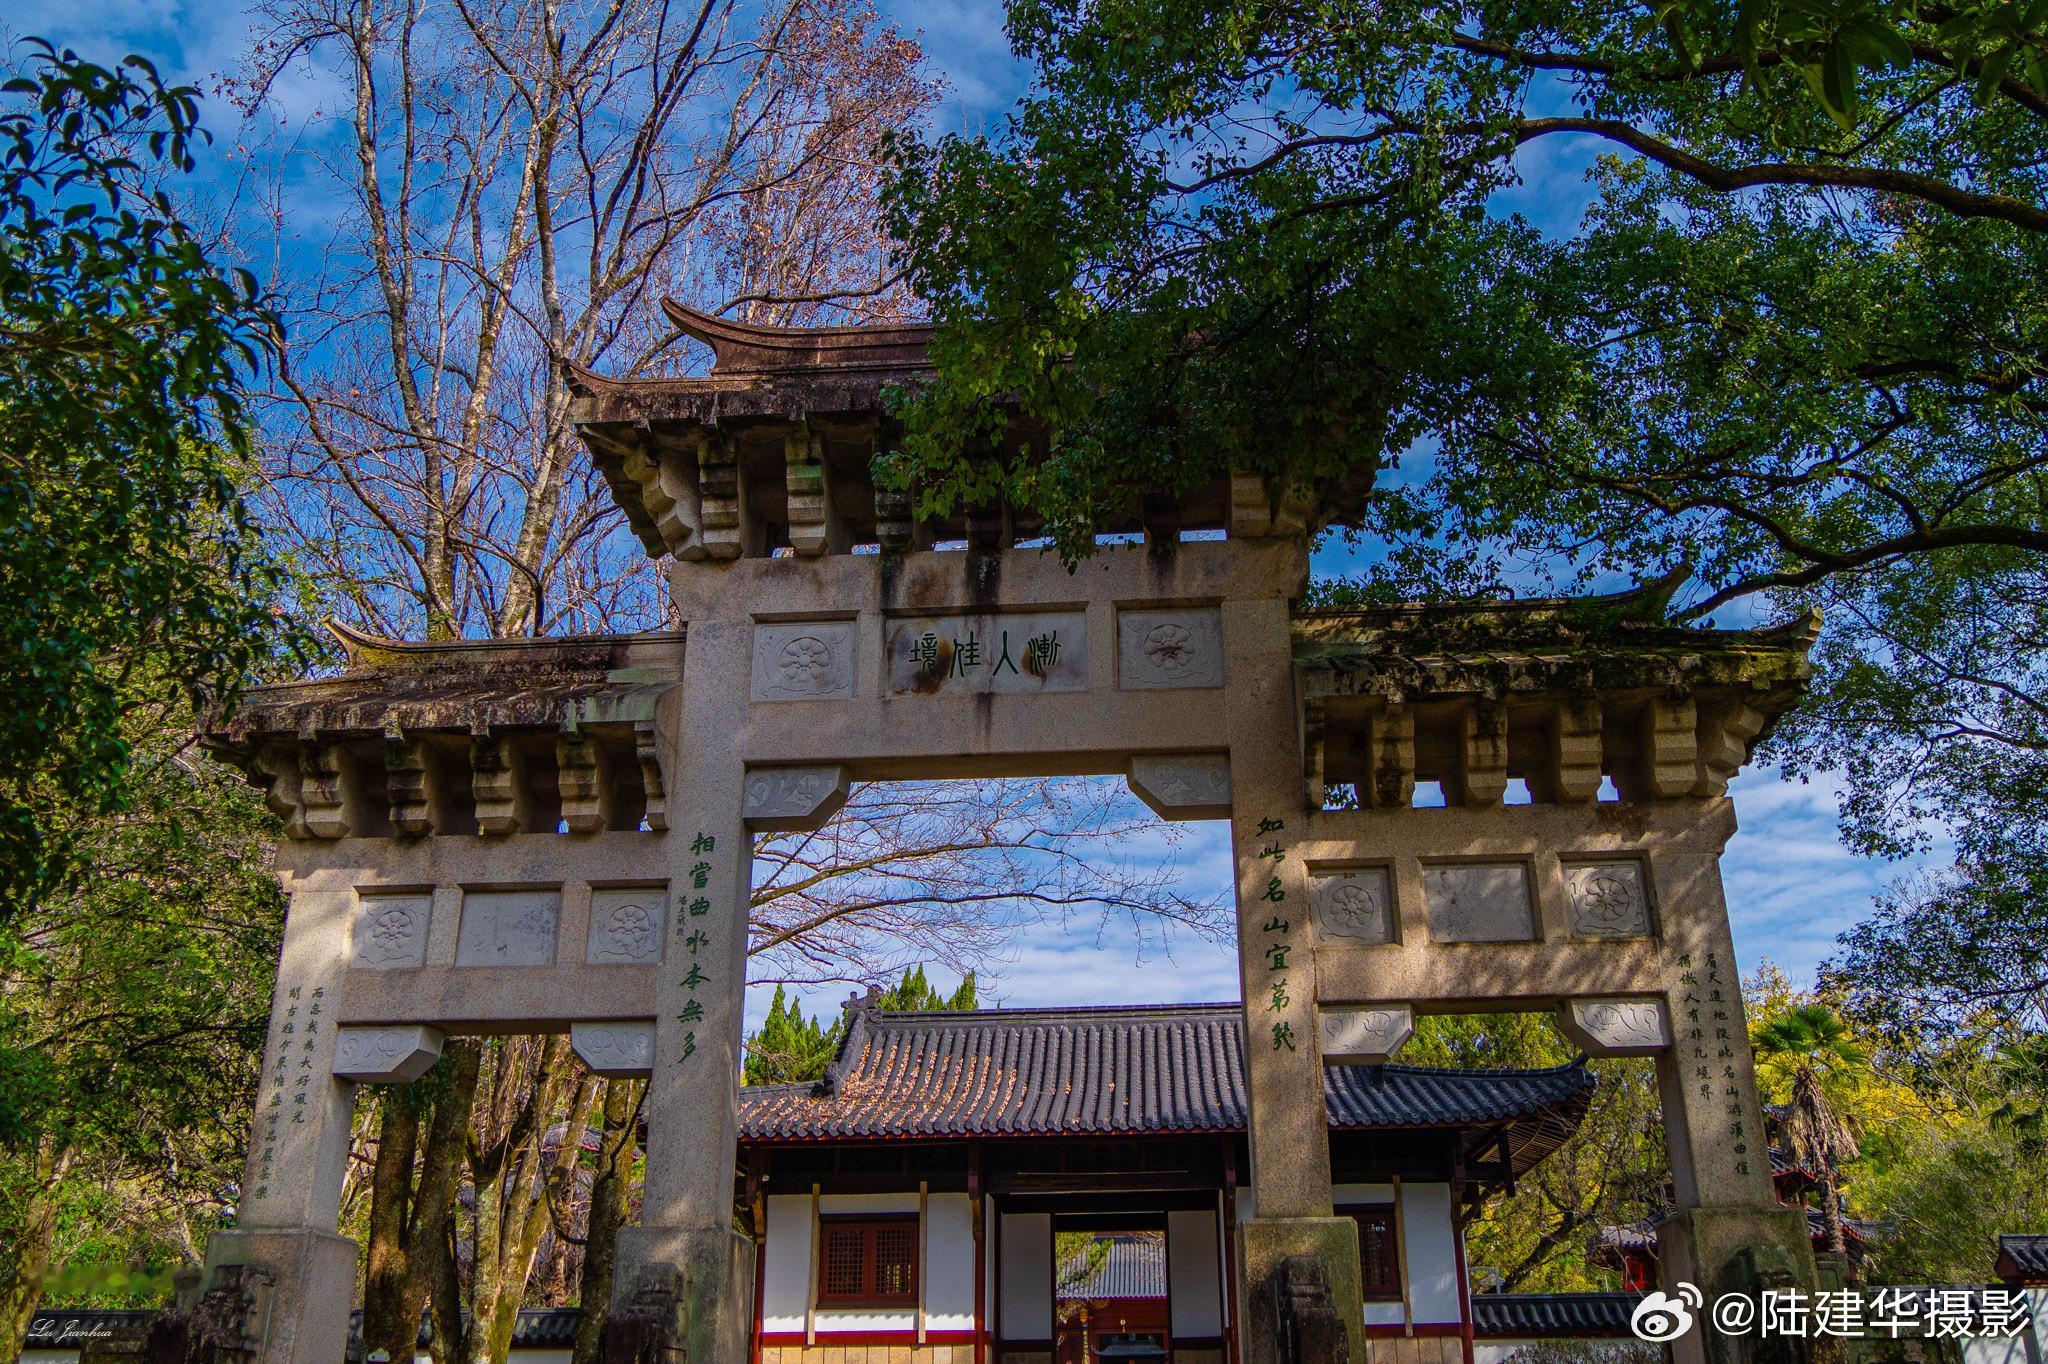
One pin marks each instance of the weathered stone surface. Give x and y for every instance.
(1026, 652)
(1183, 785)
(1616, 1027)
(1172, 648)
(626, 924)
(1607, 899)
(615, 1050)
(1354, 905)
(396, 1055)
(508, 927)
(803, 661)
(390, 931)
(1365, 1036)
(788, 799)
(1479, 902)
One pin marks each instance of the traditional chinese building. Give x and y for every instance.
(944, 1186)
(555, 836)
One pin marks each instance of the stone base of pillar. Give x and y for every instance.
(1273, 1289)
(298, 1287)
(710, 1275)
(1734, 1250)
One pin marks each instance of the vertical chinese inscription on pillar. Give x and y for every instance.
(1025, 652)
(689, 931)
(1705, 1009)
(1277, 932)
(288, 1074)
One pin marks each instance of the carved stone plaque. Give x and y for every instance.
(1479, 902)
(1616, 1027)
(617, 1051)
(1352, 905)
(395, 1055)
(1365, 1036)
(507, 927)
(794, 798)
(1183, 785)
(1028, 652)
(805, 661)
(390, 931)
(1170, 648)
(1607, 899)
(626, 924)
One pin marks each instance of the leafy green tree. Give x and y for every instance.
(1612, 1171)
(1793, 347)
(1813, 1039)
(125, 544)
(132, 1013)
(1957, 1185)
(788, 1048)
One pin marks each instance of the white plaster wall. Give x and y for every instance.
(948, 1263)
(1027, 1276)
(1429, 1251)
(1193, 1281)
(829, 1320)
(786, 1263)
(49, 1357)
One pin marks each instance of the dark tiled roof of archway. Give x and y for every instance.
(1120, 1071)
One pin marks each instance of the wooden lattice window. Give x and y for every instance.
(867, 1262)
(1379, 1251)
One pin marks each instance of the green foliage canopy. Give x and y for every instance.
(124, 538)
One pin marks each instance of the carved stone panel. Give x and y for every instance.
(1616, 1027)
(617, 1051)
(626, 924)
(1361, 1036)
(784, 799)
(804, 661)
(1028, 652)
(395, 1055)
(507, 927)
(1183, 785)
(1479, 902)
(1172, 648)
(1353, 905)
(1607, 899)
(390, 931)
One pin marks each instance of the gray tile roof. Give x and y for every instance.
(1114, 1071)
(1527, 1316)
(1132, 1267)
(2024, 1256)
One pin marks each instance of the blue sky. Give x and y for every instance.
(1791, 885)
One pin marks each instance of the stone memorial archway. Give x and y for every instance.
(553, 835)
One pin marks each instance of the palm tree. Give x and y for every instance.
(1813, 1040)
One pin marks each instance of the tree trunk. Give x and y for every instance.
(408, 1230)
(387, 1326)
(607, 1215)
(21, 1284)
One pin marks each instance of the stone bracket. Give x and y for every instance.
(1616, 1027)
(389, 1055)
(617, 1051)
(794, 799)
(1182, 785)
(1365, 1036)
